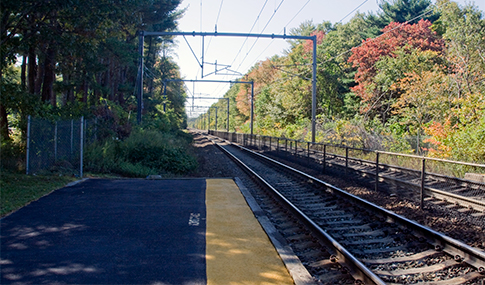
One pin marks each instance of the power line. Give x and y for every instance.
(297, 13)
(242, 46)
(245, 40)
(352, 11)
(274, 13)
(217, 20)
(301, 9)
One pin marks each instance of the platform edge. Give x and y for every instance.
(297, 270)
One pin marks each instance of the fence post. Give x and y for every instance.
(72, 139)
(346, 159)
(27, 159)
(286, 145)
(81, 155)
(55, 142)
(308, 152)
(270, 143)
(324, 157)
(423, 176)
(377, 172)
(278, 145)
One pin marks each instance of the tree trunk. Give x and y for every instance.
(32, 70)
(84, 88)
(3, 118)
(23, 72)
(3, 123)
(121, 97)
(48, 93)
(39, 76)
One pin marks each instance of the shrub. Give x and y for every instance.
(145, 152)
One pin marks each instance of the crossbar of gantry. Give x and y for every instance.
(313, 38)
(219, 81)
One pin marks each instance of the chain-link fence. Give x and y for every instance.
(55, 146)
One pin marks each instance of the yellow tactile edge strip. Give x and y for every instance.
(297, 270)
(238, 250)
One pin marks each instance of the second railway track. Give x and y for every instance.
(374, 244)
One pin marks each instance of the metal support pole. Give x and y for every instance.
(164, 96)
(314, 87)
(140, 83)
(324, 158)
(216, 118)
(252, 106)
(55, 141)
(208, 121)
(308, 152)
(423, 177)
(81, 155)
(377, 172)
(72, 138)
(346, 159)
(27, 159)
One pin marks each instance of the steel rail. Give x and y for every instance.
(358, 270)
(458, 249)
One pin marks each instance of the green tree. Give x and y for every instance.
(405, 10)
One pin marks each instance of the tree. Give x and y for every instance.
(406, 37)
(401, 11)
(98, 58)
(459, 133)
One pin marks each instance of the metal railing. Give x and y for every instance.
(452, 183)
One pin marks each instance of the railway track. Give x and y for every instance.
(461, 195)
(374, 245)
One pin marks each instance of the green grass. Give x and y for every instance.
(18, 190)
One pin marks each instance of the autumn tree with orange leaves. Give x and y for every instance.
(377, 99)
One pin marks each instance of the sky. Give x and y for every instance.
(239, 54)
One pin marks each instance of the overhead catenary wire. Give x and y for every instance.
(284, 29)
(245, 40)
(352, 11)
(375, 38)
(215, 25)
(274, 13)
(301, 9)
(250, 31)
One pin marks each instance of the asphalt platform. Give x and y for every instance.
(188, 231)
